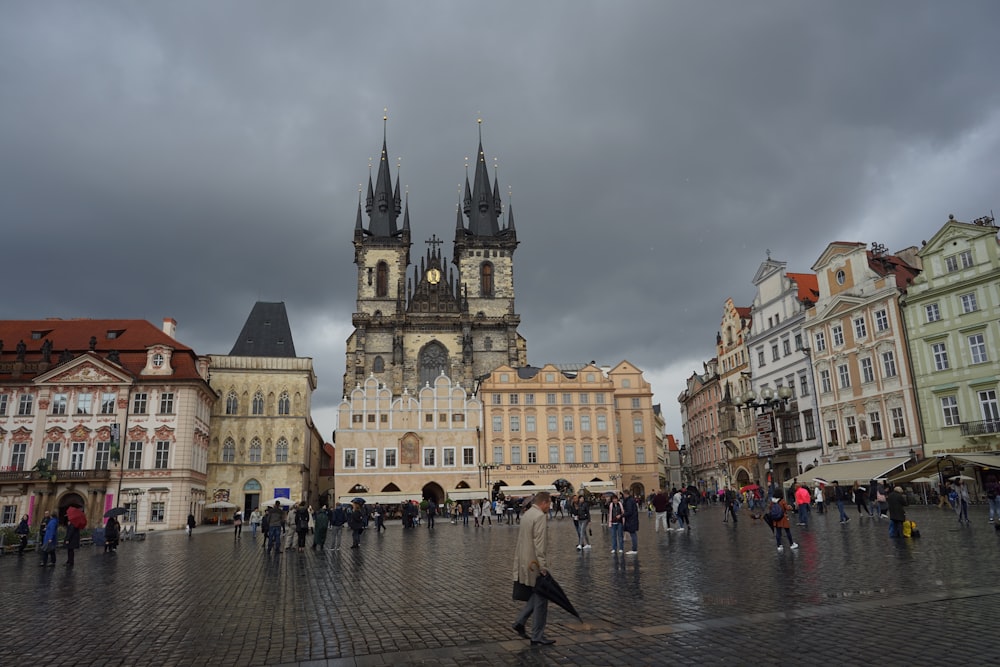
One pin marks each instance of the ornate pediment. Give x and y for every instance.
(87, 370)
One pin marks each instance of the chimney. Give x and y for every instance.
(169, 326)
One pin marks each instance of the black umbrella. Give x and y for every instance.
(116, 511)
(550, 589)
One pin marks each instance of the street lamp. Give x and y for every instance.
(767, 400)
(614, 478)
(484, 469)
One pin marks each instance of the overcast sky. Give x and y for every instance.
(186, 159)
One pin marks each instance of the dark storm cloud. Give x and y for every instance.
(187, 159)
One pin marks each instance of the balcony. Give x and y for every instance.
(986, 427)
(61, 475)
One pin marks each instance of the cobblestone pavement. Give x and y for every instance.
(719, 594)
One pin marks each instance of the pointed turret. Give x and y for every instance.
(406, 214)
(385, 209)
(481, 207)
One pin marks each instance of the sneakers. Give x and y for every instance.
(613, 551)
(631, 553)
(578, 547)
(586, 546)
(795, 545)
(781, 549)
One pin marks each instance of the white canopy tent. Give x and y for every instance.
(391, 498)
(524, 491)
(469, 494)
(598, 487)
(848, 472)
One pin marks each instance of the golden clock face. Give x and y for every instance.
(433, 276)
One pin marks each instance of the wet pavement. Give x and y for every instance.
(719, 594)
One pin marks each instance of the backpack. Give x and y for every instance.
(777, 511)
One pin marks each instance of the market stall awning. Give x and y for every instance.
(598, 487)
(848, 472)
(392, 498)
(939, 463)
(469, 494)
(522, 491)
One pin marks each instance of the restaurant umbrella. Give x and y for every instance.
(550, 589)
(76, 517)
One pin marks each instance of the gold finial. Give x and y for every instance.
(385, 113)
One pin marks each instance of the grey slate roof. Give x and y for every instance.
(266, 333)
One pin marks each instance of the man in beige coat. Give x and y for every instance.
(530, 561)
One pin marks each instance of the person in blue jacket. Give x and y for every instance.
(49, 542)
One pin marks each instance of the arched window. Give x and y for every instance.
(284, 404)
(258, 403)
(486, 279)
(255, 450)
(378, 365)
(232, 403)
(281, 451)
(433, 361)
(382, 279)
(228, 451)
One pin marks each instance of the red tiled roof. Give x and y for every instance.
(887, 264)
(131, 340)
(743, 312)
(808, 284)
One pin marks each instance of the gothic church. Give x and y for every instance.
(414, 323)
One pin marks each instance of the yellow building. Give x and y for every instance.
(263, 440)
(589, 426)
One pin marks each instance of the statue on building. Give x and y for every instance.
(93, 343)
(21, 349)
(113, 357)
(65, 356)
(47, 350)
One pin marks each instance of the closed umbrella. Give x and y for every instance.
(550, 589)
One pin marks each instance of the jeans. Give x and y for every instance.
(664, 518)
(803, 513)
(635, 540)
(788, 532)
(582, 526)
(253, 529)
(895, 528)
(274, 538)
(840, 508)
(994, 507)
(338, 533)
(617, 537)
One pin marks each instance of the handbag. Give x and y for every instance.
(522, 592)
(48, 547)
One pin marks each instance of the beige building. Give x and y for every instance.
(423, 445)
(589, 426)
(700, 401)
(861, 367)
(263, 440)
(99, 414)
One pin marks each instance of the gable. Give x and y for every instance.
(838, 305)
(767, 268)
(834, 250)
(952, 231)
(88, 369)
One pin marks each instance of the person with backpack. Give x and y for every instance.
(356, 523)
(301, 525)
(778, 513)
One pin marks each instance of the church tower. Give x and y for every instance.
(456, 321)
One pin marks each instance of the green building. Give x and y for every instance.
(951, 318)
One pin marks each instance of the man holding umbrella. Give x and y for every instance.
(529, 561)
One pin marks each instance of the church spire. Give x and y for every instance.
(384, 206)
(480, 206)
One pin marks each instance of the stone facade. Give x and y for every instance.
(263, 440)
(951, 320)
(780, 357)
(414, 322)
(700, 418)
(121, 418)
(586, 425)
(425, 444)
(861, 367)
(736, 461)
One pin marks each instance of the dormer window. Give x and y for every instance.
(157, 360)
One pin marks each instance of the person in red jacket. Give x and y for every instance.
(802, 500)
(778, 510)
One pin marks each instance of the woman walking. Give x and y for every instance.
(112, 531)
(962, 503)
(778, 510)
(861, 499)
(22, 531)
(237, 525)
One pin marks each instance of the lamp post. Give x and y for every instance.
(614, 478)
(484, 469)
(767, 402)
